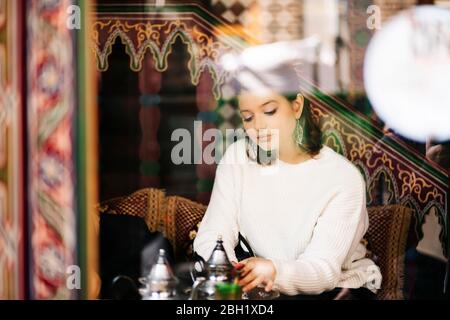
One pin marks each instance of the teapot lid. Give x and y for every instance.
(161, 282)
(161, 271)
(219, 256)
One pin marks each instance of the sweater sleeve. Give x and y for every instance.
(221, 215)
(340, 227)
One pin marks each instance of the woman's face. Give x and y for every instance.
(269, 119)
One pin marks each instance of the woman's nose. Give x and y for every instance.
(259, 123)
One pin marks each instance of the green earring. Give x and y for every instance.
(298, 133)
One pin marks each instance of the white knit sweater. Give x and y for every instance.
(308, 218)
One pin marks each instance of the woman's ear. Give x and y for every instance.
(298, 105)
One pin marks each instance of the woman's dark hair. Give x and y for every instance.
(312, 137)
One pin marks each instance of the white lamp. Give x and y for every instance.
(407, 73)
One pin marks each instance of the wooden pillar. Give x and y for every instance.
(149, 117)
(206, 105)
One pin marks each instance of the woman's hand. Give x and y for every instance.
(256, 271)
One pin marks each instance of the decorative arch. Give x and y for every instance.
(441, 215)
(362, 168)
(388, 186)
(203, 34)
(333, 139)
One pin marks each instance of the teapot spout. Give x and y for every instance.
(195, 287)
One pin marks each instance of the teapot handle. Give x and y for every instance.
(200, 262)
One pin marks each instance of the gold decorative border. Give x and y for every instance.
(138, 37)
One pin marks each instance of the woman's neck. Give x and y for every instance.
(293, 155)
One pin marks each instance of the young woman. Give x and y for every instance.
(303, 212)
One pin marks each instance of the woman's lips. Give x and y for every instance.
(264, 138)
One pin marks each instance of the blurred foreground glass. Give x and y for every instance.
(407, 72)
(228, 291)
(259, 293)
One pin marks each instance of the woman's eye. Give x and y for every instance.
(247, 119)
(271, 112)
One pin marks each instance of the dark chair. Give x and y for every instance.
(123, 239)
(124, 288)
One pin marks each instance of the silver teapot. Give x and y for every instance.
(218, 270)
(160, 284)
